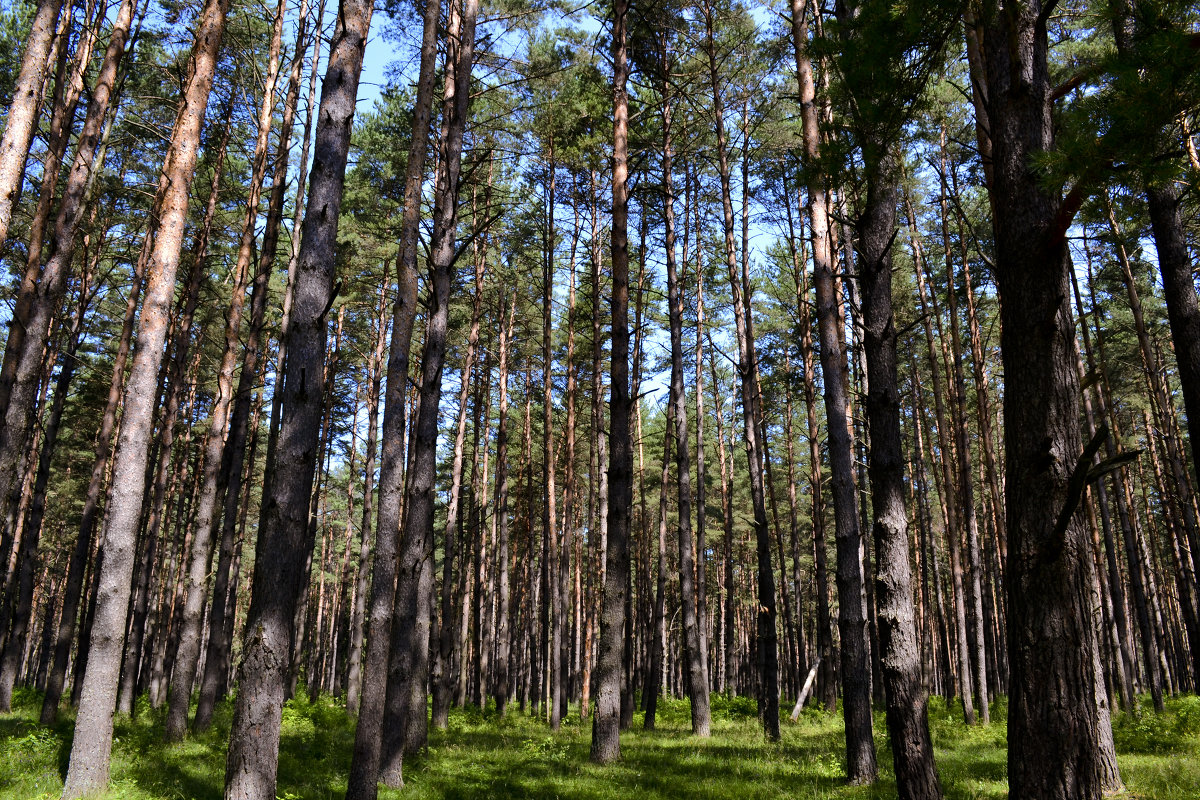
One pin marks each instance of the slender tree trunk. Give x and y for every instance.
(218, 460)
(219, 644)
(22, 118)
(693, 652)
(283, 539)
(410, 633)
(852, 622)
(501, 687)
(364, 767)
(949, 501)
(655, 667)
(606, 744)
(366, 549)
(966, 488)
(768, 661)
(23, 603)
(900, 659)
(88, 770)
(36, 306)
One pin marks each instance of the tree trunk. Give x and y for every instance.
(606, 744)
(22, 115)
(219, 644)
(1053, 734)
(283, 539)
(852, 622)
(768, 660)
(24, 580)
(900, 658)
(410, 633)
(693, 651)
(966, 487)
(37, 305)
(501, 685)
(88, 770)
(364, 767)
(218, 460)
(654, 667)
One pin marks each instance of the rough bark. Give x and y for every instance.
(284, 539)
(88, 770)
(1053, 733)
(606, 744)
(899, 656)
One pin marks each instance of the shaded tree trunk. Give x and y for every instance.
(852, 621)
(1053, 734)
(606, 744)
(284, 539)
(900, 660)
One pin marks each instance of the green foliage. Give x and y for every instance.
(482, 755)
(15, 19)
(1176, 730)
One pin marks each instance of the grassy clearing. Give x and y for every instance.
(482, 756)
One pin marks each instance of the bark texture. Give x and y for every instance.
(253, 756)
(1053, 733)
(92, 745)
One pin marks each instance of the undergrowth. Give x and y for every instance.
(482, 755)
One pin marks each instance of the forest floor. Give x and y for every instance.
(482, 756)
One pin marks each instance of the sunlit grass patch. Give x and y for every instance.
(485, 757)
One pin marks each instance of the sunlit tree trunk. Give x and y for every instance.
(88, 770)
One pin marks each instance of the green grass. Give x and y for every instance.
(482, 756)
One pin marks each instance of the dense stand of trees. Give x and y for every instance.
(300, 395)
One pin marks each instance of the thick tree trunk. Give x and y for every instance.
(283, 539)
(88, 770)
(1054, 736)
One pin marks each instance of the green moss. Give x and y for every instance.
(483, 756)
